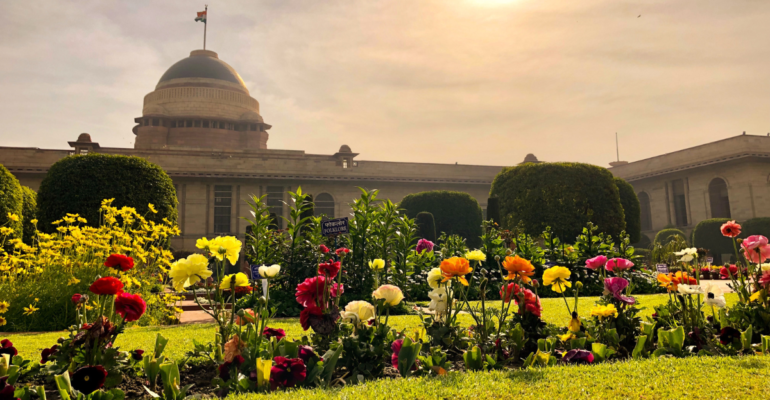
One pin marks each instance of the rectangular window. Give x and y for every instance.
(680, 202)
(154, 122)
(197, 123)
(205, 124)
(275, 202)
(223, 203)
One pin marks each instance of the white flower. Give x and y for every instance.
(269, 272)
(434, 278)
(438, 301)
(687, 255)
(690, 289)
(357, 311)
(714, 294)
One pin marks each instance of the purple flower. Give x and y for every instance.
(615, 286)
(424, 244)
(578, 356)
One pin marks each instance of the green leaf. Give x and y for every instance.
(473, 360)
(746, 338)
(64, 385)
(160, 345)
(407, 355)
(639, 348)
(330, 363)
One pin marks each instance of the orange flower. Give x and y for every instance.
(455, 267)
(233, 348)
(672, 281)
(248, 317)
(518, 267)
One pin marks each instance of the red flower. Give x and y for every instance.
(6, 390)
(726, 273)
(137, 355)
(310, 292)
(108, 286)
(46, 354)
(224, 369)
(330, 269)
(287, 372)
(731, 229)
(396, 347)
(323, 249)
(119, 261)
(510, 289)
(6, 347)
(342, 250)
(89, 378)
(306, 353)
(307, 314)
(130, 306)
(276, 333)
(77, 297)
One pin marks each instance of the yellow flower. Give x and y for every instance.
(755, 296)
(13, 217)
(188, 271)
(557, 278)
(225, 247)
(203, 244)
(604, 311)
(567, 337)
(574, 323)
(358, 311)
(30, 310)
(377, 264)
(391, 294)
(73, 281)
(152, 208)
(3, 321)
(434, 278)
(33, 221)
(476, 255)
(5, 231)
(240, 280)
(4, 307)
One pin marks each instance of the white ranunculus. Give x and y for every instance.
(269, 272)
(714, 294)
(687, 255)
(358, 311)
(689, 289)
(438, 301)
(434, 278)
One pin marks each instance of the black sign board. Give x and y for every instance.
(337, 226)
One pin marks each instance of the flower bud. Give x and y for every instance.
(579, 285)
(241, 313)
(535, 283)
(508, 252)
(739, 240)
(262, 301)
(497, 258)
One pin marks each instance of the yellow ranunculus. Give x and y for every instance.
(269, 272)
(476, 255)
(223, 247)
(202, 244)
(567, 337)
(358, 311)
(558, 278)
(377, 264)
(755, 296)
(604, 311)
(240, 280)
(188, 271)
(435, 278)
(391, 294)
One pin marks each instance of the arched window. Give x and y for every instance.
(644, 205)
(720, 201)
(324, 205)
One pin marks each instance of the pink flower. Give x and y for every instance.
(310, 292)
(730, 229)
(759, 254)
(329, 269)
(616, 286)
(396, 347)
(323, 249)
(424, 245)
(765, 278)
(596, 262)
(754, 241)
(619, 264)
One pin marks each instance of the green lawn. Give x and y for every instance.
(690, 378)
(181, 337)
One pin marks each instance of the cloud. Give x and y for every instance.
(432, 81)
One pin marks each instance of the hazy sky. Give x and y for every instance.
(468, 81)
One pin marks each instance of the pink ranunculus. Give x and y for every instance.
(754, 241)
(618, 264)
(616, 287)
(759, 254)
(424, 245)
(596, 262)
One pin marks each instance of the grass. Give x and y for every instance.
(181, 337)
(666, 378)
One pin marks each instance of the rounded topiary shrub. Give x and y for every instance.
(755, 226)
(643, 243)
(29, 214)
(631, 209)
(453, 212)
(11, 201)
(78, 184)
(493, 209)
(564, 196)
(426, 226)
(664, 235)
(707, 235)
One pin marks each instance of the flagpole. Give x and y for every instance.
(205, 25)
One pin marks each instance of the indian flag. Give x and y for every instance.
(201, 17)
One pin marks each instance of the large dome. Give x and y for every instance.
(202, 64)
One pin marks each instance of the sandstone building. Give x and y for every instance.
(202, 126)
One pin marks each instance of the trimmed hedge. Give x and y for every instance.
(11, 201)
(707, 235)
(29, 213)
(755, 226)
(453, 213)
(78, 184)
(631, 209)
(426, 226)
(564, 196)
(643, 243)
(493, 210)
(664, 235)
